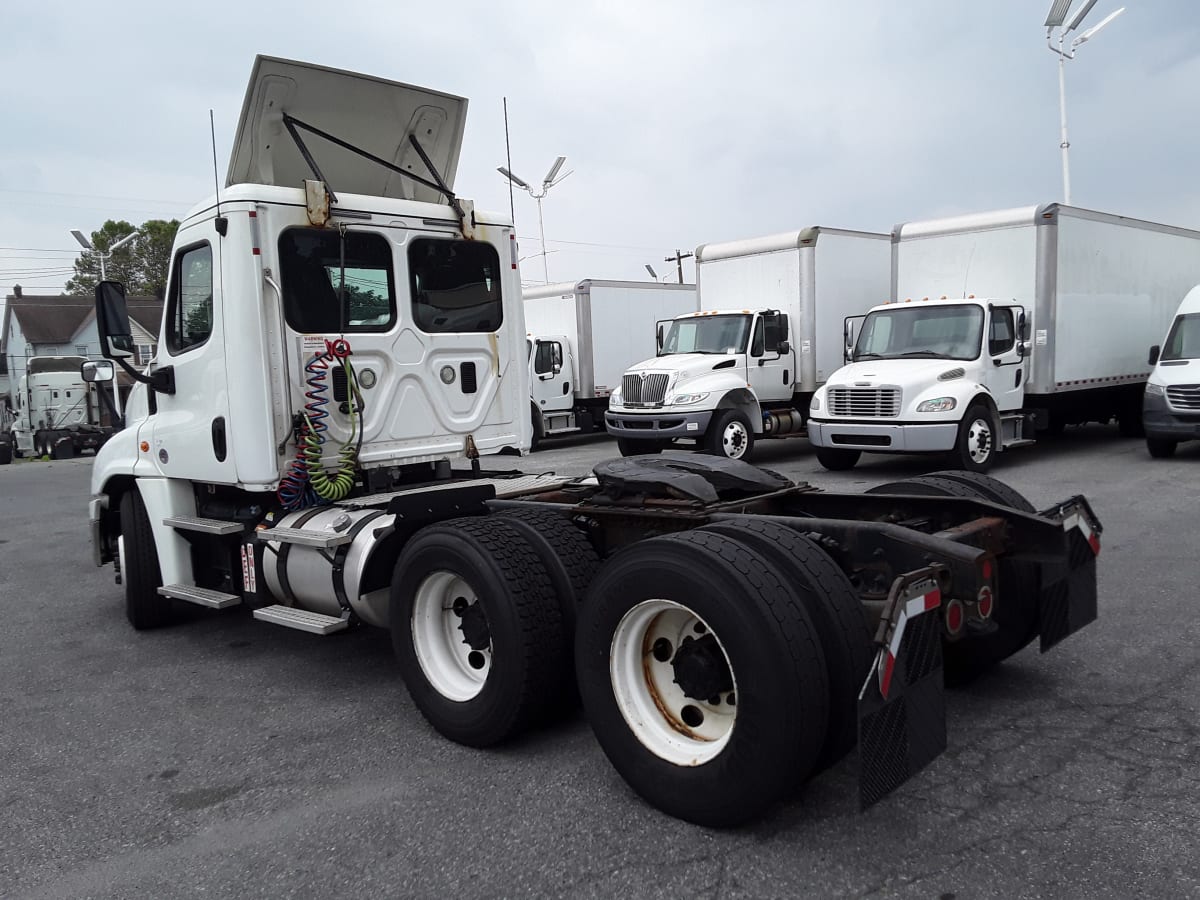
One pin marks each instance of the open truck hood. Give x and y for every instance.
(373, 114)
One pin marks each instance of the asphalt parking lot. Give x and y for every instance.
(228, 757)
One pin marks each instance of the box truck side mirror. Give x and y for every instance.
(96, 370)
(1154, 351)
(112, 321)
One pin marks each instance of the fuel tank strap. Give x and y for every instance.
(339, 559)
(281, 557)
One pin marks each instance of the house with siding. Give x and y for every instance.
(61, 325)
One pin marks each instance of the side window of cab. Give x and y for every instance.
(190, 299)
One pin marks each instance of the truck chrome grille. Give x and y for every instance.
(865, 403)
(644, 390)
(1184, 396)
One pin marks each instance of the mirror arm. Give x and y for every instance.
(117, 419)
(163, 380)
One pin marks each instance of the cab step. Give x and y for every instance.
(1023, 442)
(301, 619)
(207, 526)
(200, 596)
(322, 540)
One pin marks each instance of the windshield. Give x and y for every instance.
(934, 332)
(1184, 340)
(707, 334)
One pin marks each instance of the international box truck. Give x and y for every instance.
(582, 337)
(1000, 325)
(766, 337)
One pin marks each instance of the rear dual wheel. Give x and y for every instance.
(703, 676)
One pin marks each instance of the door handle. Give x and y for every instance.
(220, 445)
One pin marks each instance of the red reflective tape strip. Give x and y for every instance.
(885, 680)
(933, 600)
(512, 246)
(254, 242)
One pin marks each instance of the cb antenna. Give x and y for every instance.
(221, 222)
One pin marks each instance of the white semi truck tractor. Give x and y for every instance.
(57, 412)
(341, 330)
(1003, 325)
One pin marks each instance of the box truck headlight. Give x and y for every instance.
(1156, 389)
(937, 404)
(687, 399)
(614, 396)
(815, 405)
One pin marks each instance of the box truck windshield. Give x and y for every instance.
(1183, 342)
(707, 334)
(937, 332)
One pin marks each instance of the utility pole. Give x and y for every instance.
(678, 259)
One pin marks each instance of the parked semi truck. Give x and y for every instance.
(57, 412)
(292, 450)
(6, 440)
(582, 337)
(1004, 324)
(746, 365)
(1171, 407)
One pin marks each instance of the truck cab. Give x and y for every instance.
(1171, 405)
(714, 375)
(927, 376)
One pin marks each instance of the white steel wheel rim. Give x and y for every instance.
(451, 666)
(979, 440)
(654, 707)
(735, 439)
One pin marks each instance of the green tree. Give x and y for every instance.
(141, 264)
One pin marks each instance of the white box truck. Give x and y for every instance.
(57, 412)
(325, 356)
(766, 338)
(1171, 408)
(582, 337)
(1002, 324)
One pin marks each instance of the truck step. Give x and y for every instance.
(322, 540)
(1023, 442)
(200, 596)
(208, 526)
(301, 619)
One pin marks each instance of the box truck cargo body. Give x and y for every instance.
(766, 336)
(582, 337)
(1020, 320)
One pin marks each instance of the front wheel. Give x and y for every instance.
(1160, 448)
(704, 681)
(144, 606)
(976, 447)
(836, 460)
(730, 435)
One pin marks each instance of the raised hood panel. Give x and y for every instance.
(371, 113)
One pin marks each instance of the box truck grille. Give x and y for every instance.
(644, 390)
(1184, 396)
(865, 403)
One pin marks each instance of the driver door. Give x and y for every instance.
(769, 372)
(551, 385)
(1005, 367)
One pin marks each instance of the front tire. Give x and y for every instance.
(703, 680)
(730, 434)
(1161, 448)
(477, 630)
(976, 447)
(144, 606)
(836, 460)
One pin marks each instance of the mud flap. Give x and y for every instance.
(1068, 602)
(902, 705)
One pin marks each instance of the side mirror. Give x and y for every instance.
(1154, 351)
(112, 321)
(94, 370)
(783, 331)
(1022, 327)
(557, 368)
(658, 339)
(783, 347)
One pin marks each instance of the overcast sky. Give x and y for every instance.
(684, 122)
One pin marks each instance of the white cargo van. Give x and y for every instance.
(1171, 409)
(582, 337)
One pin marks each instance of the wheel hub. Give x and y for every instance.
(473, 624)
(700, 668)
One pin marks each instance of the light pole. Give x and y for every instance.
(105, 255)
(1057, 18)
(552, 178)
